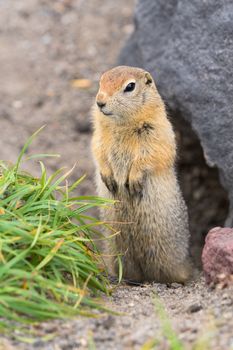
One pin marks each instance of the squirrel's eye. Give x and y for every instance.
(130, 87)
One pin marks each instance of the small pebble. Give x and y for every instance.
(109, 322)
(195, 308)
(17, 104)
(175, 285)
(83, 126)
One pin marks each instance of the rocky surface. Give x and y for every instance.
(217, 255)
(188, 46)
(200, 317)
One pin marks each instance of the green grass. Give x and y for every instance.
(50, 266)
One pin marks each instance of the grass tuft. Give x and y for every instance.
(50, 266)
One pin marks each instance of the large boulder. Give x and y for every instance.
(217, 255)
(188, 48)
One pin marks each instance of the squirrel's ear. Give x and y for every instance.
(148, 79)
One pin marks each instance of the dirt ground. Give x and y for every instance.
(45, 48)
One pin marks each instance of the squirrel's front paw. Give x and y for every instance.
(110, 183)
(135, 186)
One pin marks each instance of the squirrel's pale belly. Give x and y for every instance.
(151, 215)
(150, 228)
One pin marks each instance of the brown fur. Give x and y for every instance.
(134, 147)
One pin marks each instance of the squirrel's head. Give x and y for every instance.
(125, 91)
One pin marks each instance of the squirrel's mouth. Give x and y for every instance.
(107, 113)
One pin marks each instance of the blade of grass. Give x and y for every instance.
(29, 141)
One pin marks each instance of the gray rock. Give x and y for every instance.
(188, 48)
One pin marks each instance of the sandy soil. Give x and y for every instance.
(44, 47)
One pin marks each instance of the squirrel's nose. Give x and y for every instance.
(100, 104)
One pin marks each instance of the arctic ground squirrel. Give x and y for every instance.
(134, 148)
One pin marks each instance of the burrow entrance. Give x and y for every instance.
(206, 198)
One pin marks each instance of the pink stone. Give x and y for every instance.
(217, 255)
